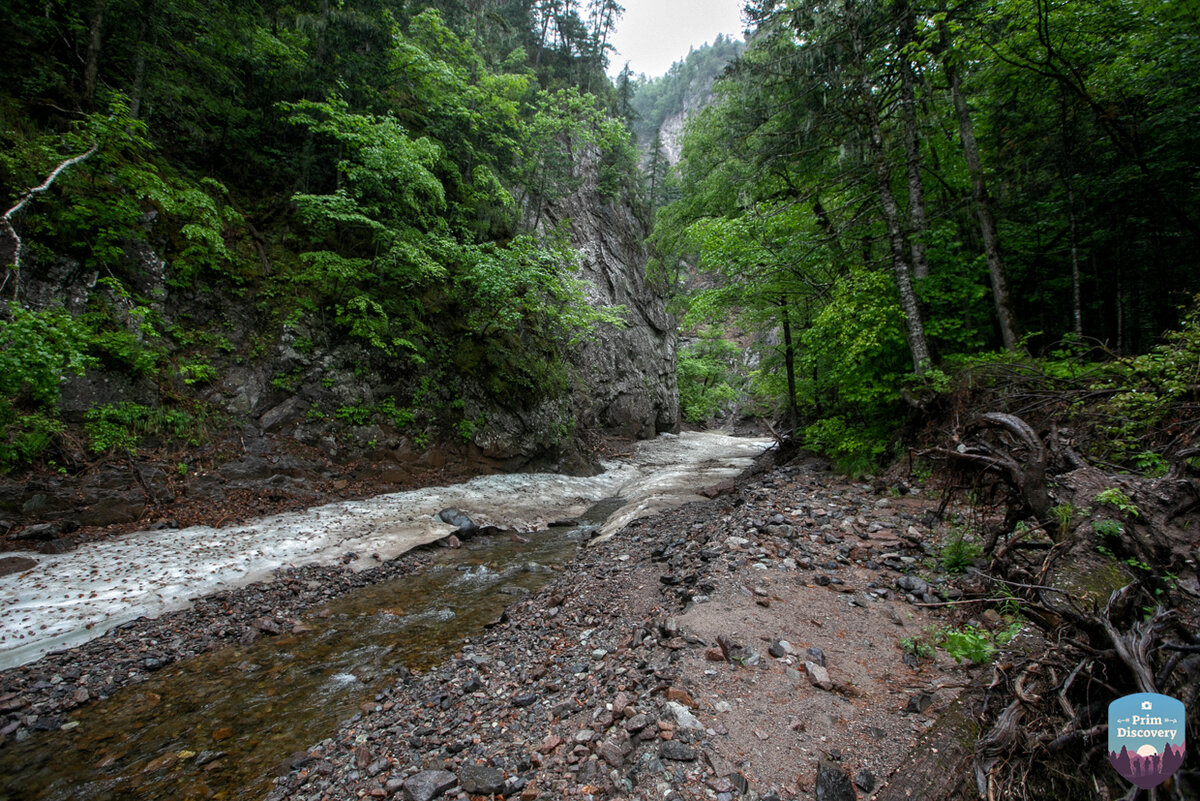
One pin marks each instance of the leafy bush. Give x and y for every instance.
(121, 426)
(969, 643)
(855, 450)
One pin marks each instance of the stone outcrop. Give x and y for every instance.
(627, 375)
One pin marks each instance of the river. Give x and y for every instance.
(214, 726)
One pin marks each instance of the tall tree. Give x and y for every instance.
(982, 199)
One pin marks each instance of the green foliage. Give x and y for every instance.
(961, 552)
(855, 450)
(1108, 529)
(709, 384)
(1115, 498)
(916, 646)
(970, 643)
(1062, 514)
(121, 426)
(26, 437)
(355, 415)
(37, 350)
(197, 372)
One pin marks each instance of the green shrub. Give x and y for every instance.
(969, 643)
(855, 451)
(960, 552)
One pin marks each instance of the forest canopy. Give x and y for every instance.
(885, 189)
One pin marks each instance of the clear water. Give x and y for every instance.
(260, 704)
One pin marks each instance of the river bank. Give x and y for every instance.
(744, 647)
(796, 556)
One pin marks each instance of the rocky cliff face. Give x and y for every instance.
(627, 375)
(624, 380)
(290, 397)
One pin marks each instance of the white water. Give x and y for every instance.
(68, 599)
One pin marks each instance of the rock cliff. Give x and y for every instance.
(278, 389)
(626, 375)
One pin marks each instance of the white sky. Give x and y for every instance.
(653, 34)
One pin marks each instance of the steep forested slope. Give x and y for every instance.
(343, 221)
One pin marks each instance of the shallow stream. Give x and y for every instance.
(221, 724)
(255, 706)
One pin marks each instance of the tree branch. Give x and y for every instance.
(7, 219)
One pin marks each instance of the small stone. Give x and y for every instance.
(428, 784)
(636, 723)
(780, 649)
(481, 779)
(919, 703)
(680, 695)
(832, 782)
(679, 714)
(677, 751)
(865, 780)
(817, 655)
(818, 675)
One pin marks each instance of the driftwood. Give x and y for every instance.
(1005, 446)
(1111, 601)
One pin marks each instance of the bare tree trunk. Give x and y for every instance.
(983, 202)
(918, 224)
(914, 326)
(91, 66)
(789, 363)
(6, 222)
(1076, 295)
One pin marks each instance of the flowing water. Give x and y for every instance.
(257, 705)
(218, 725)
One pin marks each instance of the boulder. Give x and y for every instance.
(467, 527)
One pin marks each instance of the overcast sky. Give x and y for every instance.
(653, 34)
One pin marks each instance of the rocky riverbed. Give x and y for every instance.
(736, 648)
(746, 647)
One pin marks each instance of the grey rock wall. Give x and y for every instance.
(626, 375)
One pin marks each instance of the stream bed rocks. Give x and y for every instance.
(744, 647)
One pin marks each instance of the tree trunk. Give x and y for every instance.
(918, 224)
(1076, 295)
(91, 65)
(831, 234)
(983, 202)
(914, 326)
(789, 363)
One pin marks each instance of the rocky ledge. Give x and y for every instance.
(746, 647)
